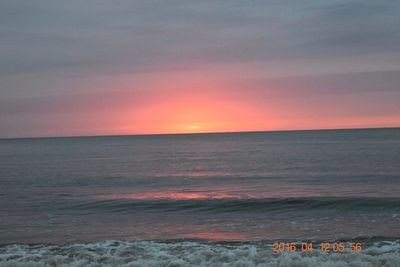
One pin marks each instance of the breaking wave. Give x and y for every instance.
(192, 253)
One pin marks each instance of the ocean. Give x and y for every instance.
(220, 199)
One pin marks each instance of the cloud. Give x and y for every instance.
(119, 35)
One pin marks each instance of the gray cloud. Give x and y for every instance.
(346, 83)
(111, 36)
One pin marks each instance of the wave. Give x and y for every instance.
(192, 253)
(238, 205)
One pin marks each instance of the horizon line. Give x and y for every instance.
(200, 133)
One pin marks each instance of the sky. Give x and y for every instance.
(147, 67)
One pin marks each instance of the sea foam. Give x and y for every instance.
(192, 253)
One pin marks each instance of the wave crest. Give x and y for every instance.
(190, 253)
(239, 205)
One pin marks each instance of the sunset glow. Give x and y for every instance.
(194, 127)
(198, 113)
(200, 101)
(219, 68)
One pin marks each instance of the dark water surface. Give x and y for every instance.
(303, 185)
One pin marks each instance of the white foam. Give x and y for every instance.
(191, 253)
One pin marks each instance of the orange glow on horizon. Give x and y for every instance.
(194, 103)
(199, 100)
(195, 114)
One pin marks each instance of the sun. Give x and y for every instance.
(194, 127)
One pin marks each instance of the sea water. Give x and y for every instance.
(201, 199)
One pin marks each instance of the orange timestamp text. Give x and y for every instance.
(330, 247)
